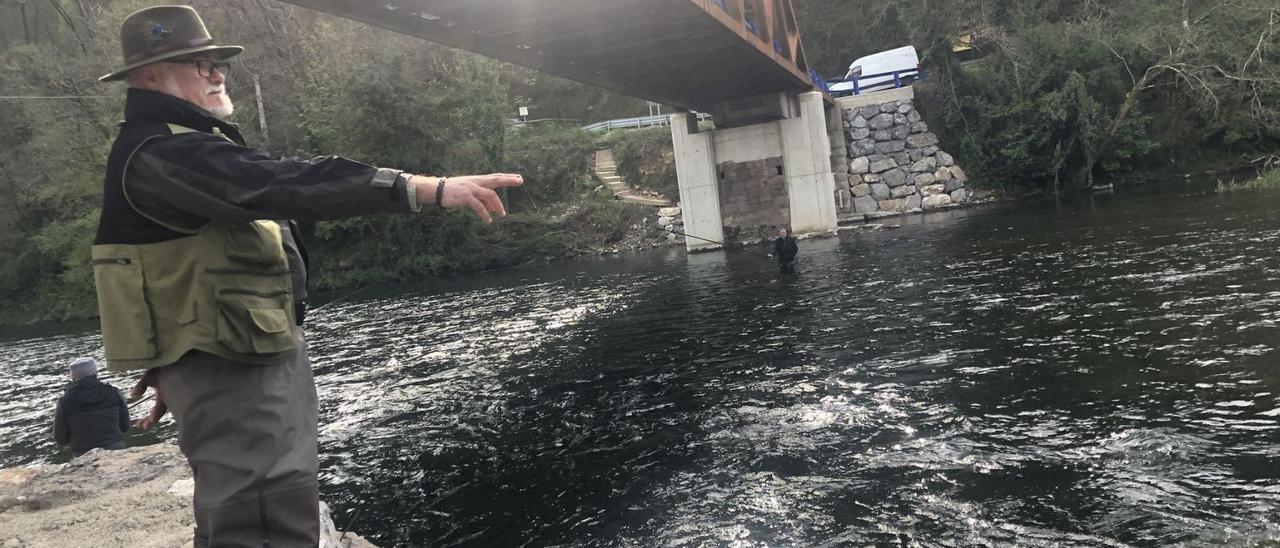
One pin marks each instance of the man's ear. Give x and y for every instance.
(144, 77)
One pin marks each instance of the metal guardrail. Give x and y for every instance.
(636, 123)
(898, 77)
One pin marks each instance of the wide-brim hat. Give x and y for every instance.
(159, 33)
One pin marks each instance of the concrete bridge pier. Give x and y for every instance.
(768, 164)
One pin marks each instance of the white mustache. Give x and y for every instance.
(218, 90)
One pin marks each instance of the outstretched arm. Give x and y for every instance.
(188, 180)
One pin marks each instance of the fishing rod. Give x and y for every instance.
(149, 395)
(721, 244)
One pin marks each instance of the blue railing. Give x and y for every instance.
(818, 81)
(899, 80)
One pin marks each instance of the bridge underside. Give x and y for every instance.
(689, 54)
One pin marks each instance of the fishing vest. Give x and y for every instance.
(223, 289)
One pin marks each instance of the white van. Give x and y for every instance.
(875, 72)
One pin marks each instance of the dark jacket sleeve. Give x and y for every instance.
(61, 433)
(189, 179)
(124, 416)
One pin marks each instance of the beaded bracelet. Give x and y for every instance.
(440, 191)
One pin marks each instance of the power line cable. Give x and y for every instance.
(26, 97)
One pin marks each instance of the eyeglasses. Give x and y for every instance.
(204, 67)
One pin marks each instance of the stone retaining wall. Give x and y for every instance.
(895, 165)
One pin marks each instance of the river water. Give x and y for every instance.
(1102, 372)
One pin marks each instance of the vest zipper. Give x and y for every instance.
(120, 260)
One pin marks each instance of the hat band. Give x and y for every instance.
(169, 47)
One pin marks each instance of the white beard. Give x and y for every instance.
(224, 110)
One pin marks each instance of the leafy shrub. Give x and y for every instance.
(554, 161)
(646, 160)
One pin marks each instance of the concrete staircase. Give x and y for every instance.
(607, 171)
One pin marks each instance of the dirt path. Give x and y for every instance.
(139, 497)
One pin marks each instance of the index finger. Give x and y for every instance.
(500, 180)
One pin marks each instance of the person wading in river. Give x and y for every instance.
(785, 248)
(201, 276)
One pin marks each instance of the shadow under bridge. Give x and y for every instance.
(689, 54)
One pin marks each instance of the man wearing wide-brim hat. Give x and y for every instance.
(201, 276)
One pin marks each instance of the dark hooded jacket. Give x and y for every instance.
(785, 249)
(91, 414)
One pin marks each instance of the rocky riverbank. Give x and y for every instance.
(139, 497)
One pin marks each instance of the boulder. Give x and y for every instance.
(881, 191)
(922, 140)
(901, 132)
(895, 177)
(935, 201)
(930, 151)
(897, 206)
(861, 148)
(890, 147)
(858, 122)
(855, 180)
(669, 211)
(860, 133)
(859, 165)
(919, 127)
(903, 158)
(945, 160)
(871, 178)
(881, 121)
(889, 107)
(905, 108)
(924, 165)
(883, 165)
(902, 191)
(664, 221)
(924, 179)
(960, 196)
(913, 116)
(882, 135)
(865, 205)
(933, 190)
(916, 155)
(958, 174)
(913, 202)
(900, 120)
(953, 185)
(861, 190)
(943, 174)
(869, 111)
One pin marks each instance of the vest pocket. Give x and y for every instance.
(256, 243)
(255, 323)
(128, 331)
